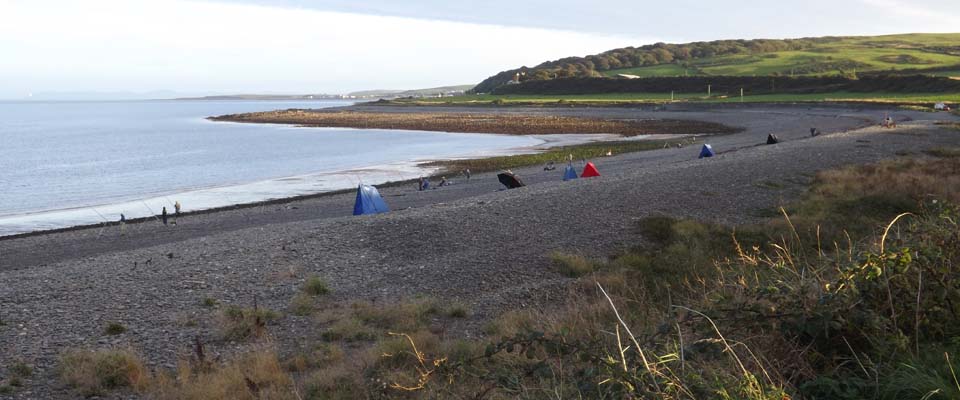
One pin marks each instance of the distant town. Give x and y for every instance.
(445, 91)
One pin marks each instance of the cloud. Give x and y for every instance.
(207, 46)
(948, 15)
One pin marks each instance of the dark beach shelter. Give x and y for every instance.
(706, 151)
(590, 171)
(369, 201)
(510, 180)
(772, 139)
(569, 173)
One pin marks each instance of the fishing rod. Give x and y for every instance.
(105, 221)
(153, 214)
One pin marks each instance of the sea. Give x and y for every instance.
(75, 163)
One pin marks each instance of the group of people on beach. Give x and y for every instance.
(424, 183)
(176, 207)
(164, 217)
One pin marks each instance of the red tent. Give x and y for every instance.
(589, 171)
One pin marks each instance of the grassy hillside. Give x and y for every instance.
(639, 98)
(846, 55)
(933, 54)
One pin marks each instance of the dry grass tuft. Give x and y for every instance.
(254, 375)
(335, 383)
(572, 265)
(938, 178)
(319, 356)
(93, 373)
(302, 305)
(238, 323)
(21, 369)
(944, 152)
(349, 330)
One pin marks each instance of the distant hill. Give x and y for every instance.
(264, 97)
(927, 54)
(429, 92)
(365, 94)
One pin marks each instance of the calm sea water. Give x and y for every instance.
(69, 163)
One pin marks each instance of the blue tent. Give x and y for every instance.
(706, 151)
(569, 173)
(369, 201)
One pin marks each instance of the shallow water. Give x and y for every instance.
(70, 163)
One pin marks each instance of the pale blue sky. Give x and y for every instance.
(335, 46)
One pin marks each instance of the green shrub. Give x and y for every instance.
(209, 302)
(21, 369)
(315, 286)
(114, 328)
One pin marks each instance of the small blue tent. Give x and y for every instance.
(569, 173)
(706, 151)
(369, 201)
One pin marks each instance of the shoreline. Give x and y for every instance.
(429, 168)
(437, 166)
(474, 122)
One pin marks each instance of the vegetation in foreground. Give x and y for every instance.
(510, 124)
(852, 293)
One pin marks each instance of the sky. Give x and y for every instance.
(194, 47)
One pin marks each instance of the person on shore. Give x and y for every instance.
(176, 212)
(163, 215)
(888, 122)
(467, 173)
(123, 224)
(420, 184)
(443, 181)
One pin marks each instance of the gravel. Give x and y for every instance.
(470, 242)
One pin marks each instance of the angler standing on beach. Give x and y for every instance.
(176, 212)
(163, 214)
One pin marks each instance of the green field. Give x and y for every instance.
(610, 98)
(655, 71)
(847, 55)
(952, 74)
